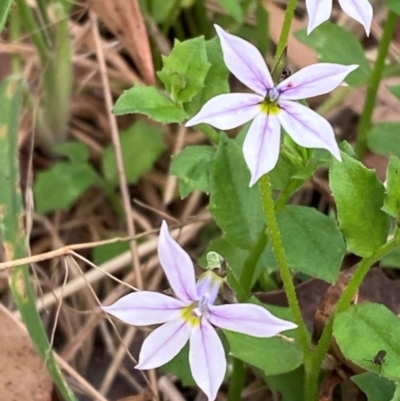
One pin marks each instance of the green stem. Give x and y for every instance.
(343, 303)
(287, 22)
(279, 252)
(237, 381)
(373, 84)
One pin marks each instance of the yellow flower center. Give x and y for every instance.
(192, 314)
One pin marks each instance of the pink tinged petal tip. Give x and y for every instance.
(250, 319)
(207, 359)
(261, 146)
(177, 266)
(314, 80)
(163, 344)
(360, 10)
(245, 62)
(318, 12)
(145, 307)
(228, 111)
(307, 128)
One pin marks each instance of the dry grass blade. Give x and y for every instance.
(125, 20)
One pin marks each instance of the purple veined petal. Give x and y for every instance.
(308, 128)
(314, 80)
(360, 10)
(163, 344)
(228, 111)
(177, 266)
(318, 12)
(245, 62)
(207, 359)
(261, 146)
(250, 319)
(208, 286)
(146, 307)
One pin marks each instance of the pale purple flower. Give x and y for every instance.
(191, 316)
(271, 106)
(320, 10)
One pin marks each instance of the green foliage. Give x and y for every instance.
(62, 184)
(185, 69)
(234, 8)
(395, 90)
(292, 392)
(5, 6)
(151, 102)
(365, 329)
(192, 167)
(141, 145)
(180, 367)
(103, 253)
(393, 5)
(392, 200)
(12, 232)
(384, 138)
(359, 197)
(312, 241)
(350, 50)
(216, 80)
(236, 208)
(375, 387)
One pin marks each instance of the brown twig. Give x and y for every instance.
(118, 151)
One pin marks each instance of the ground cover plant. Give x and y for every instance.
(200, 200)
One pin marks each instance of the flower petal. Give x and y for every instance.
(245, 62)
(145, 307)
(360, 10)
(163, 344)
(318, 12)
(250, 319)
(228, 111)
(314, 80)
(208, 286)
(307, 128)
(177, 266)
(207, 359)
(261, 146)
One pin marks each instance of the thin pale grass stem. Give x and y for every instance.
(118, 152)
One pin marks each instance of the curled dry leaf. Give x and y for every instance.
(23, 375)
(124, 19)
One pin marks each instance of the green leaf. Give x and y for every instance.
(192, 167)
(350, 50)
(392, 259)
(185, 69)
(395, 90)
(273, 355)
(61, 185)
(375, 387)
(149, 101)
(77, 152)
(392, 200)
(312, 241)
(216, 81)
(359, 197)
(234, 9)
(365, 329)
(180, 367)
(393, 5)
(5, 6)
(236, 208)
(106, 252)
(384, 138)
(13, 239)
(279, 383)
(141, 146)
